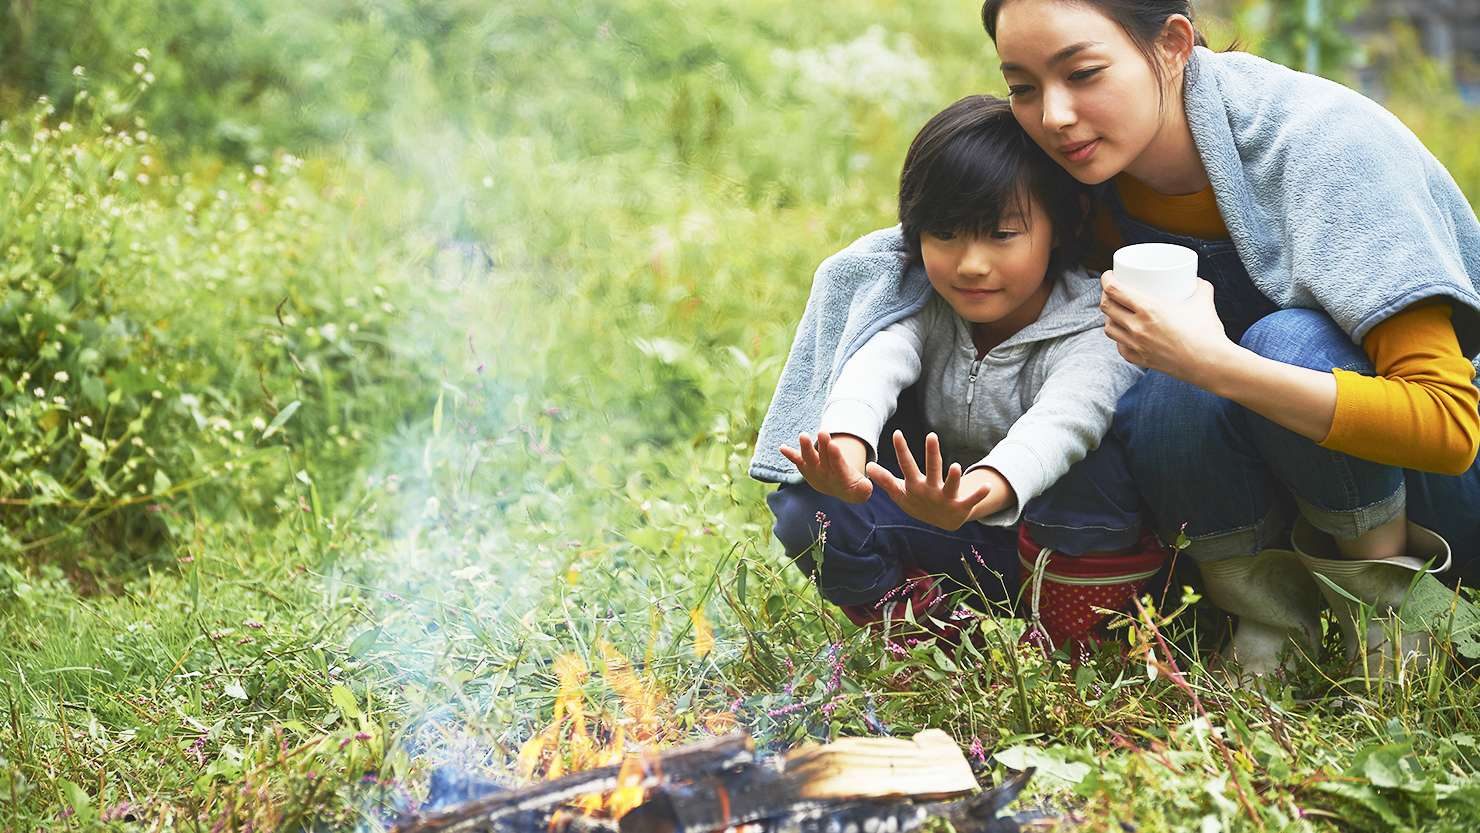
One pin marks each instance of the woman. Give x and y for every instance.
(1320, 375)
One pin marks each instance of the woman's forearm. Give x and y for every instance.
(1298, 398)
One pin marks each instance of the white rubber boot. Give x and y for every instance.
(1373, 593)
(1277, 604)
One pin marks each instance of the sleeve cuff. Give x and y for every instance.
(1020, 467)
(856, 417)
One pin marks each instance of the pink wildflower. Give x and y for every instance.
(976, 750)
(786, 710)
(978, 556)
(837, 668)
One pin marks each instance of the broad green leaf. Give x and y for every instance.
(282, 417)
(345, 700)
(1052, 763)
(366, 640)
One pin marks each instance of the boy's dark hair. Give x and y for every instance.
(1142, 21)
(972, 165)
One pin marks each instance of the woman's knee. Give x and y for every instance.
(1164, 422)
(1305, 338)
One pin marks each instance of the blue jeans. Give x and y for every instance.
(1094, 507)
(1235, 480)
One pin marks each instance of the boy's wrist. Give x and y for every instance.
(1001, 496)
(854, 449)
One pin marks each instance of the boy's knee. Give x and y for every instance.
(795, 509)
(1094, 507)
(1305, 338)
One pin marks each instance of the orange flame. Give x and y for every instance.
(629, 792)
(703, 634)
(577, 739)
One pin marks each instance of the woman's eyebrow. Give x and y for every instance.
(1058, 57)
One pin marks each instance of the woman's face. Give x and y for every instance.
(997, 278)
(1078, 85)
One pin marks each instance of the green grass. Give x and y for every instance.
(516, 488)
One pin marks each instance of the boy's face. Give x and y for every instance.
(997, 278)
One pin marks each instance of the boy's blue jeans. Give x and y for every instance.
(1235, 479)
(1092, 508)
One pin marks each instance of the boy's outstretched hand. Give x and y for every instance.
(946, 500)
(832, 465)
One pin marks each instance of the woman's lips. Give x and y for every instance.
(1081, 152)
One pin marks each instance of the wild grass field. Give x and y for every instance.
(379, 378)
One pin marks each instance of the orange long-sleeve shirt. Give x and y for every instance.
(1421, 411)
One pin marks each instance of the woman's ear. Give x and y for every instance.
(1177, 38)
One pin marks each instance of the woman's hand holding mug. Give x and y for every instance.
(1161, 315)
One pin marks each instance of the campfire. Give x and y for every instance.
(854, 785)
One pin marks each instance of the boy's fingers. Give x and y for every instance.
(884, 479)
(953, 478)
(977, 496)
(809, 451)
(791, 454)
(831, 450)
(907, 464)
(932, 458)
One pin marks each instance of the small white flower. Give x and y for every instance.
(61, 376)
(138, 68)
(87, 420)
(40, 393)
(259, 170)
(142, 179)
(487, 182)
(78, 72)
(65, 127)
(142, 52)
(59, 400)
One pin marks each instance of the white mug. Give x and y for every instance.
(1162, 269)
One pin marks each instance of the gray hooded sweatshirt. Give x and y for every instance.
(1030, 408)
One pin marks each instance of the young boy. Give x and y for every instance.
(1002, 348)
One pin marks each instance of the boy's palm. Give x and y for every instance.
(826, 466)
(946, 500)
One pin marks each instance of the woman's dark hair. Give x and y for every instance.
(1142, 20)
(972, 165)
